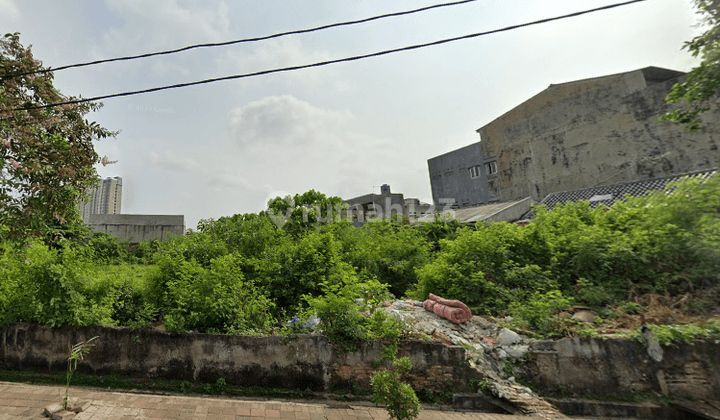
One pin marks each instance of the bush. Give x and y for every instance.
(538, 312)
(341, 309)
(399, 397)
(49, 287)
(217, 299)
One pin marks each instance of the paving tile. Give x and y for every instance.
(26, 401)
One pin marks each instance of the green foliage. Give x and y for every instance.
(385, 250)
(538, 312)
(105, 248)
(216, 299)
(439, 229)
(48, 286)
(237, 274)
(701, 85)
(341, 308)
(399, 397)
(46, 154)
(485, 386)
(673, 335)
(247, 234)
(304, 212)
(220, 385)
(293, 268)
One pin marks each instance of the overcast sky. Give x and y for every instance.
(219, 149)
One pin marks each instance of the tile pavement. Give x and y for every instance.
(21, 401)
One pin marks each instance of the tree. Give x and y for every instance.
(304, 212)
(702, 84)
(46, 154)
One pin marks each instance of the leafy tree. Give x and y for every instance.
(46, 154)
(702, 83)
(303, 212)
(249, 234)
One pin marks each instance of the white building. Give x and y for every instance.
(106, 198)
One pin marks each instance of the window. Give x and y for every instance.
(475, 171)
(491, 168)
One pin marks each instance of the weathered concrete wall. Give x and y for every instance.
(436, 366)
(619, 367)
(594, 132)
(450, 177)
(137, 228)
(309, 362)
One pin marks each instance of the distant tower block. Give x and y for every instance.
(105, 198)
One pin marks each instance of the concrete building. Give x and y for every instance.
(106, 198)
(459, 178)
(590, 133)
(384, 206)
(137, 228)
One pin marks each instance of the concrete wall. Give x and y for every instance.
(137, 228)
(591, 366)
(594, 132)
(309, 362)
(450, 177)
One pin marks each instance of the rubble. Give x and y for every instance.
(74, 407)
(488, 346)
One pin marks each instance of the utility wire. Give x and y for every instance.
(340, 60)
(240, 41)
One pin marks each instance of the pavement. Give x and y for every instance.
(21, 401)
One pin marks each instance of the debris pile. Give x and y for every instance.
(488, 347)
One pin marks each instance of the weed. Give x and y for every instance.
(220, 385)
(185, 386)
(77, 353)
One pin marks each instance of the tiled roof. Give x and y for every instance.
(610, 194)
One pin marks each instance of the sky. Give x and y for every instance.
(220, 149)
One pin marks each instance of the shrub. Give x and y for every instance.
(399, 397)
(214, 300)
(538, 312)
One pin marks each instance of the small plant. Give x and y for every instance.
(77, 353)
(484, 386)
(185, 386)
(220, 385)
(399, 397)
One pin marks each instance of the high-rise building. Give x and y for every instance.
(106, 198)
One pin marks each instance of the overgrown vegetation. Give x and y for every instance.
(247, 274)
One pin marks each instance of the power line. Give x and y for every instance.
(240, 41)
(340, 60)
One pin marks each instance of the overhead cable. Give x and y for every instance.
(340, 60)
(240, 41)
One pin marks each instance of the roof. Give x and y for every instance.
(610, 194)
(651, 74)
(495, 212)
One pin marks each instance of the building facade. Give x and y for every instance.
(106, 198)
(460, 178)
(592, 133)
(136, 228)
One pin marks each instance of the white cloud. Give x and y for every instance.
(172, 161)
(8, 10)
(161, 24)
(281, 52)
(275, 54)
(285, 121)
